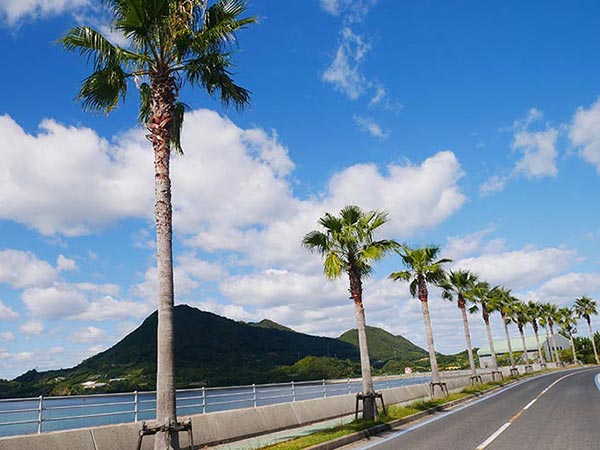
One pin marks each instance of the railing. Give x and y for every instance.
(40, 414)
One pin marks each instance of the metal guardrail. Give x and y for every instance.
(61, 412)
(40, 414)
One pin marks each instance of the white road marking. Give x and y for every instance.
(489, 440)
(530, 403)
(597, 381)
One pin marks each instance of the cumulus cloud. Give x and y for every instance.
(369, 125)
(495, 183)
(7, 336)
(585, 133)
(32, 327)
(519, 269)
(65, 264)
(565, 288)
(14, 11)
(22, 269)
(88, 334)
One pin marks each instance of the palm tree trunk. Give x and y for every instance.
(486, 320)
(423, 297)
(549, 344)
(463, 311)
(159, 125)
(573, 347)
(593, 342)
(554, 348)
(539, 348)
(510, 352)
(369, 408)
(524, 345)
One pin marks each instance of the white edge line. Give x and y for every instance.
(597, 381)
(489, 440)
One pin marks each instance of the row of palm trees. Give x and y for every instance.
(347, 243)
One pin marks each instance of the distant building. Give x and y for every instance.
(501, 348)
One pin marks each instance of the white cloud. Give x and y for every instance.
(496, 183)
(32, 327)
(519, 269)
(344, 73)
(353, 10)
(22, 269)
(538, 149)
(459, 246)
(23, 356)
(565, 288)
(585, 133)
(7, 336)
(65, 264)
(14, 11)
(80, 301)
(88, 334)
(7, 313)
(368, 125)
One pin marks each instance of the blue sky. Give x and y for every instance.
(477, 126)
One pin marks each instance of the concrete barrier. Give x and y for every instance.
(227, 426)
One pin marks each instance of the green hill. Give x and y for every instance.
(384, 346)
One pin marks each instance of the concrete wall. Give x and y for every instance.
(226, 425)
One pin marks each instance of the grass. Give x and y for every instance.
(393, 413)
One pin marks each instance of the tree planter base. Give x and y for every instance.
(528, 369)
(373, 395)
(476, 379)
(543, 366)
(171, 427)
(497, 373)
(514, 371)
(442, 387)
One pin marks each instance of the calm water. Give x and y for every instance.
(63, 413)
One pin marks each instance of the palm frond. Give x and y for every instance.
(101, 91)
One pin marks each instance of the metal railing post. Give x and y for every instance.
(135, 406)
(40, 409)
(324, 389)
(293, 392)
(254, 395)
(203, 400)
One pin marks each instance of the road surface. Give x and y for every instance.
(560, 410)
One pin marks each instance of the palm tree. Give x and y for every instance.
(481, 296)
(171, 42)
(568, 323)
(535, 312)
(522, 318)
(348, 246)
(460, 284)
(503, 302)
(552, 315)
(584, 308)
(423, 269)
(543, 321)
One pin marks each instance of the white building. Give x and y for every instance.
(501, 348)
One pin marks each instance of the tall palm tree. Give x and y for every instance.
(483, 300)
(552, 316)
(522, 318)
(543, 321)
(422, 269)
(503, 302)
(568, 323)
(535, 311)
(460, 284)
(585, 307)
(348, 246)
(171, 43)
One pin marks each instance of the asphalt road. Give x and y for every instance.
(555, 411)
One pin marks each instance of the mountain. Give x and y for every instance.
(210, 350)
(384, 346)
